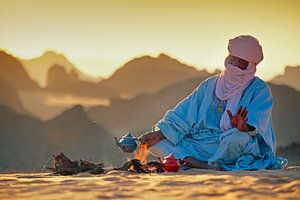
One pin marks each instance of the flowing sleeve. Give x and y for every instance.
(260, 113)
(178, 121)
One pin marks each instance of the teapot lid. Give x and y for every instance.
(128, 135)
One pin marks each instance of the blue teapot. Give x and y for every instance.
(127, 143)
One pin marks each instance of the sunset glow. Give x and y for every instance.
(101, 36)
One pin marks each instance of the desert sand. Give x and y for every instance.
(190, 184)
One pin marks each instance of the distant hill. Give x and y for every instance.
(286, 114)
(130, 80)
(139, 114)
(11, 71)
(142, 112)
(142, 75)
(61, 81)
(10, 98)
(147, 74)
(75, 134)
(23, 146)
(27, 143)
(291, 77)
(38, 67)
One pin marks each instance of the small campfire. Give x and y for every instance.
(64, 166)
(135, 165)
(140, 164)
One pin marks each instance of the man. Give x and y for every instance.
(225, 123)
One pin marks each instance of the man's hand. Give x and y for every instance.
(151, 138)
(239, 120)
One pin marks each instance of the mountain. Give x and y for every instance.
(11, 71)
(58, 77)
(10, 98)
(75, 134)
(38, 67)
(23, 145)
(139, 76)
(139, 114)
(149, 74)
(64, 88)
(61, 81)
(291, 77)
(142, 112)
(286, 111)
(27, 143)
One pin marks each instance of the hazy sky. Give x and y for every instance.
(100, 36)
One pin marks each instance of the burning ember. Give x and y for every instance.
(135, 165)
(140, 162)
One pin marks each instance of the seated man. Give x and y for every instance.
(225, 123)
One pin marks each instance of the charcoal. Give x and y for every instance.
(135, 165)
(154, 167)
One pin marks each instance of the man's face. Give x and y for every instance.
(238, 62)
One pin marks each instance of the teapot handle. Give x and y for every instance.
(117, 142)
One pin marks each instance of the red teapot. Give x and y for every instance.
(170, 163)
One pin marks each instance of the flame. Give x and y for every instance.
(141, 153)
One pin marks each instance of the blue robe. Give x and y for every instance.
(192, 128)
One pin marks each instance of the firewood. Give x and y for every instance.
(64, 166)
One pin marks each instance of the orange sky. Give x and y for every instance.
(100, 36)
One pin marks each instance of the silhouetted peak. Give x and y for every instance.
(75, 115)
(291, 70)
(51, 54)
(12, 71)
(290, 77)
(4, 53)
(4, 56)
(161, 62)
(165, 56)
(75, 110)
(160, 57)
(58, 75)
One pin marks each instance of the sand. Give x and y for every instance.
(190, 184)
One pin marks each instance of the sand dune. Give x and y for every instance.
(191, 184)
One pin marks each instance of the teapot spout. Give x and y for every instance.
(117, 142)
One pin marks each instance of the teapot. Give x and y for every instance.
(170, 163)
(127, 143)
